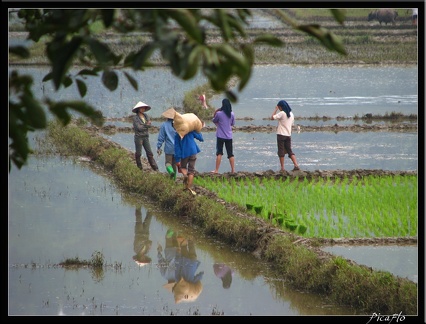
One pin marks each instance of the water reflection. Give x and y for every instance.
(78, 210)
(188, 284)
(167, 262)
(142, 244)
(179, 266)
(225, 273)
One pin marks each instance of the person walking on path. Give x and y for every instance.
(166, 135)
(285, 118)
(224, 119)
(186, 150)
(141, 125)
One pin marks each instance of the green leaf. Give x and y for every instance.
(223, 24)
(187, 21)
(117, 59)
(235, 24)
(61, 56)
(192, 63)
(60, 110)
(232, 54)
(107, 17)
(67, 81)
(101, 51)
(339, 15)
(139, 59)
(82, 88)
(269, 39)
(88, 72)
(327, 38)
(110, 80)
(34, 113)
(231, 96)
(48, 77)
(131, 80)
(20, 51)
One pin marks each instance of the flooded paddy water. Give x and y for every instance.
(65, 208)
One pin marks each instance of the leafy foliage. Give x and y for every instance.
(179, 35)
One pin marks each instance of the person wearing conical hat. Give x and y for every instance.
(141, 125)
(167, 135)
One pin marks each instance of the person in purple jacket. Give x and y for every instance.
(224, 119)
(186, 150)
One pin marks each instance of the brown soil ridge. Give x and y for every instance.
(400, 127)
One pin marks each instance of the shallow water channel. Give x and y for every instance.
(67, 208)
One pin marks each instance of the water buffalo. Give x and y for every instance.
(383, 15)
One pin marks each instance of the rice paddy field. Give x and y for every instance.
(374, 206)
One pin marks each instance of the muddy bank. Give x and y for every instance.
(399, 127)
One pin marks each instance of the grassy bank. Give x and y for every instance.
(299, 261)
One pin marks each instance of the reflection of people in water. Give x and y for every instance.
(166, 264)
(225, 273)
(142, 243)
(188, 284)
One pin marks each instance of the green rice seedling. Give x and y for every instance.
(279, 218)
(258, 209)
(289, 223)
(301, 229)
(266, 217)
(292, 227)
(333, 208)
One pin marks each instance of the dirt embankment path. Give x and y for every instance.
(364, 127)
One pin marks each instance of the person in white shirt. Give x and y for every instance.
(285, 118)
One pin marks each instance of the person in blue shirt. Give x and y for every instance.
(186, 150)
(224, 119)
(166, 135)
